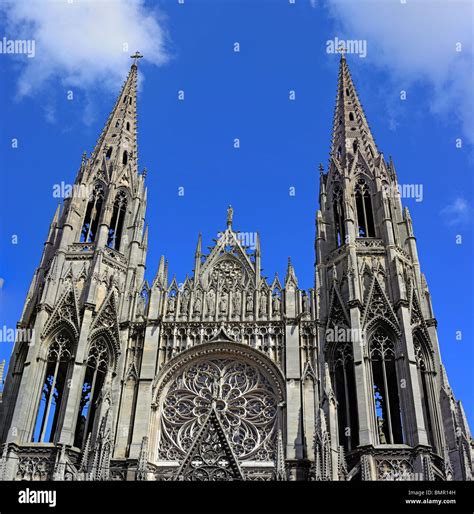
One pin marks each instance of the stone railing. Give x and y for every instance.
(369, 243)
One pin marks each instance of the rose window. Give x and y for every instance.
(242, 396)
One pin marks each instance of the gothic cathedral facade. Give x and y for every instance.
(228, 376)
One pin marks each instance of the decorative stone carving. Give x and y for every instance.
(394, 469)
(242, 396)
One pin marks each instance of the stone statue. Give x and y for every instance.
(184, 303)
(249, 303)
(276, 304)
(223, 304)
(305, 302)
(210, 303)
(171, 303)
(263, 303)
(198, 305)
(236, 304)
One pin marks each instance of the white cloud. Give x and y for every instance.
(83, 44)
(416, 43)
(456, 213)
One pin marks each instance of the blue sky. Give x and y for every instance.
(243, 95)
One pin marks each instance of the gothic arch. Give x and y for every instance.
(93, 213)
(120, 214)
(363, 192)
(382, 344)
(241, 384)
(65, 327)
(340, 358)
(113, 345)
(98, 365)
(56, 355)
(426, 381)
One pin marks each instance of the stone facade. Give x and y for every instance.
(228, 376)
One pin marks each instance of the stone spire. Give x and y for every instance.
(290, 274)
(197, 257)
(351, 131)
(120, 132)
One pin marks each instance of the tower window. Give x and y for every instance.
(118, 217)
(347, 92)
(339, 152)
(344, 388)
(354, 146)
(92, 216)
(125, 157)
(424, 381)
(128, 125)
(338, 213)
(365, 218)
(108, 155)
(97, 365)
(385, 389)
(124, 98)
(59, 357)
(351, 116)
(130, 101)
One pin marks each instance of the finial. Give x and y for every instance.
(321, 168)
(144, 172)
(342, 50)
(137, 55)
(230, 214)
(84, 158)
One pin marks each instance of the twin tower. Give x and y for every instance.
(228, 376)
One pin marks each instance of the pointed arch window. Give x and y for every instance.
(385, 388)
(108, 155)
(128, 125)
(92, 216)
(125, 157)
(54, 386)
(338, 212)
(118, 217)
(351, 116)
(96, 370)
(365, 217)
(344, 388)
(425, 385)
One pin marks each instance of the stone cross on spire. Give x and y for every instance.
(137, 55)
(342, 50)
